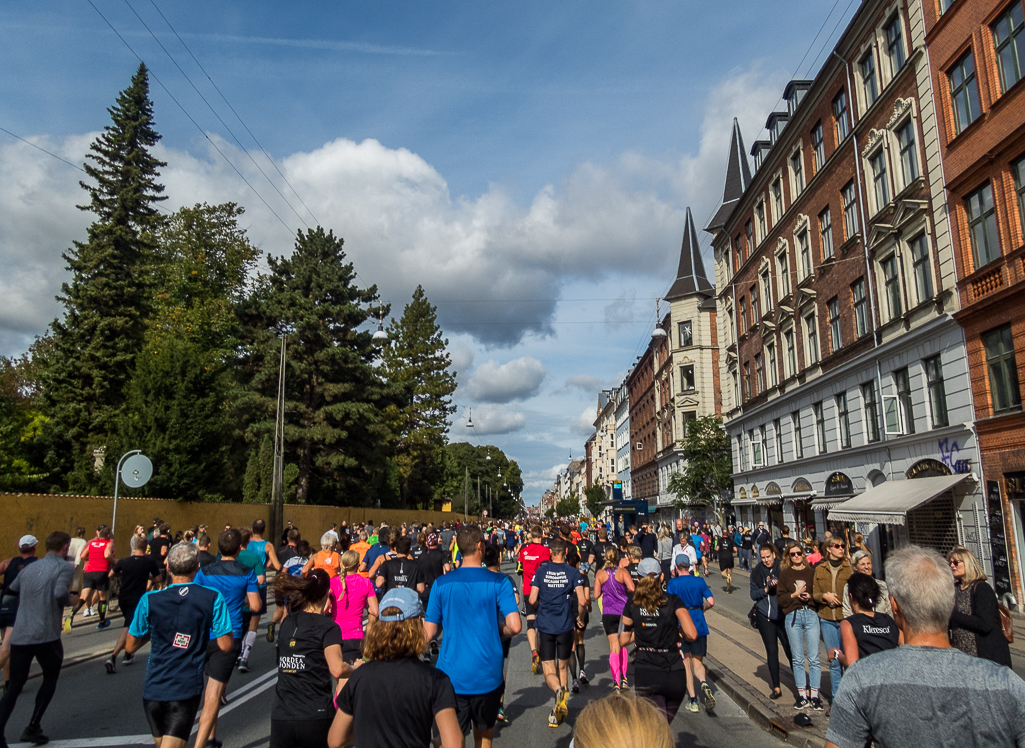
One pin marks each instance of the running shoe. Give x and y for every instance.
(110, 665)
(224, 702)
(801, 703)
(243, 665)
(816, 704)
(553, 721)
(501, 714)
(128, 660)
(561, 705)
(66, 627)
(576, 686)
(616, 687)
(709, 697)
(34, 734)
(270, 632)
(535, 663)
(104, 624)
(623, 681)
(583, 678)
(692, 706)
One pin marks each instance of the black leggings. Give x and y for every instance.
(666, 688)
(299, 733)
(773, 631)
(50, 656)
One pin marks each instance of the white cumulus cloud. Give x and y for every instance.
(516, 380)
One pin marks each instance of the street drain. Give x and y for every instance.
(778, 730)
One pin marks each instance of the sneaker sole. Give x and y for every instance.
(111, 667)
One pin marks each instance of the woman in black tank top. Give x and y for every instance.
(866, 631)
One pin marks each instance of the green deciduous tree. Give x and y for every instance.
(705, 479)
(595, 498)
(107, 299)
(417, 362)
(339, 411)
(21, 423)
(568, 507)
(462, 459)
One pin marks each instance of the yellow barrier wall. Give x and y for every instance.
(41, 514)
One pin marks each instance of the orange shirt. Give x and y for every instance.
(361, 548)
(329, 561)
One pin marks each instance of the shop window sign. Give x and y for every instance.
(839, 484)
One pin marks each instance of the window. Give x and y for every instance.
(1018, 167)
(964, 92)
(777, 433)
(738, 253)
(860, 308)
(908, 152)
(820, 426)
(835, 338)
(804, 250)
(945, 5)
(795, 422)
(840, 116)
(869, 87)
(826, 233)
(850, 210)
(921, 267)
(788, 341)
(760, 373)
(766, 283)
(742, 452)
(685, 333)
(746, 384)
(687, 378)
(937, 391)
(879, 182)
(868, 397)
(756, 447)
(818, 147)
(736, 388)
(813, 338)
(895, 44)
(891, 283)
(756, 309)
(1003, 369)
(902, 384)
(770, 357)
(784, 272)
(742, 316)
(843, 421)
(982, 226)
(749, 233)
(777, 200)
(760, 217)
(1009, 44)
(797, 170)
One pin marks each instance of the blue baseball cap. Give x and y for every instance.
(406, 600)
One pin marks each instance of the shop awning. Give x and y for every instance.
(889, 503)
(829, 502)
(769, 500)
(744, 502)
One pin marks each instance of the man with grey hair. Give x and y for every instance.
(926, 692)
(136, 572)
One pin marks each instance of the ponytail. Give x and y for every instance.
(298, 592)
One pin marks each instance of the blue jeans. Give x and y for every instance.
(831, 638)
(803, 632)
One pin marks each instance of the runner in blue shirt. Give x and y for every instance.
(693, 591)
(238, 584)
(179, 621)
(555, 589)
(269, 559)
(468, 604)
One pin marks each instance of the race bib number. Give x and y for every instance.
(181, 641)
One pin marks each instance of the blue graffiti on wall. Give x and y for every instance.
(949, 450)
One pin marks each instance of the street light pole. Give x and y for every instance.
(117, 485)
(278, 479)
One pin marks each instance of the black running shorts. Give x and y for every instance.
(299, 733)
(698, 647)
(352, 650)
(610, 624)
(219, 665)
(480, 711)
(552, 647)
(97, 580)
(531, 609)
(172, 718)
(128, 606)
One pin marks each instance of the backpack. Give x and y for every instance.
(1005, 623)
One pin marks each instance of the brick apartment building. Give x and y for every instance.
(640, 385)
(977, 56)
(845, 382)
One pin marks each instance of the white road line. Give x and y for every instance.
(251, 684)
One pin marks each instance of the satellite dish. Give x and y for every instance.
(136, 471)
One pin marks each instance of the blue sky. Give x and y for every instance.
(530, 164)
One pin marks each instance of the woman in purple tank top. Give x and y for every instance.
(611, 586)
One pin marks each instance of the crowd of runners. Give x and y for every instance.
(400, 636)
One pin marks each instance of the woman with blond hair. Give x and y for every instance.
(395, 698)
(351, 595)
(622, 721)
(975, 621)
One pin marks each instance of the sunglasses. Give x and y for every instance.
(837, 545)
(796, 553)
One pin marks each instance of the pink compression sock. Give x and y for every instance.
(624, 661)
(614, 666)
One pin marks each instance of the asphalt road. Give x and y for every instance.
(93, 709)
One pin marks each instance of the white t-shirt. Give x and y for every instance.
(685, 550)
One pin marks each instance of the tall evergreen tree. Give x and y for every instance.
(106, 301)
(339, 410)
(416, 360)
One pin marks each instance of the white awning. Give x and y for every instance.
(828, 502)
(769, 500)
(889, 502)
(744, 502)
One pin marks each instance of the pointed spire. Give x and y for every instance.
(690, 276)
(738, 179)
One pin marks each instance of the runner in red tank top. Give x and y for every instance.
(98, 555)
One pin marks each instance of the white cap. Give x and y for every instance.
(28, 541)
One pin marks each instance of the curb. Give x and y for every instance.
(761, 711)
